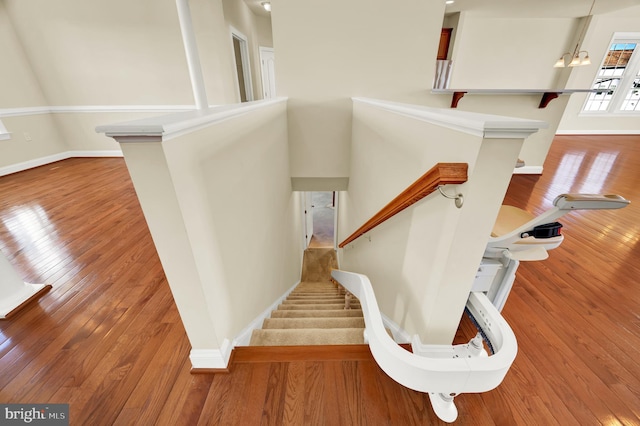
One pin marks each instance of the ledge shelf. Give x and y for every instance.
(547, 94)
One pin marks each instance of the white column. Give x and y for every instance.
(191, 50)
(14, 293)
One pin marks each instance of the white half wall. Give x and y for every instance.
(422, 262)
(215, 189)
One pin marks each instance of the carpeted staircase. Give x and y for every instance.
(314, 312)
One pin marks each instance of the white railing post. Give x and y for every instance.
(191, 51)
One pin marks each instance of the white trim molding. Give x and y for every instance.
(599, 132)
(4, 134)
(399, 334)
(163, 128)
(205, 359)
(528, 170)
(24, 111)
(41, 161)
(483, 125)
(244, 337)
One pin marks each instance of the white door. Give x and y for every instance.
(267, 67)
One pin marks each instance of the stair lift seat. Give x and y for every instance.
(521, 236)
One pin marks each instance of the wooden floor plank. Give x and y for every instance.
(186, 398)
(107, 338)
(253, 400)
(152, 390)
(294, 398)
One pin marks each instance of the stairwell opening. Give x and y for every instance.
(320, 219)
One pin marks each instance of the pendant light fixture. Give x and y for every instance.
(579, 57)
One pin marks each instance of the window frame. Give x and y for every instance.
(631, 72)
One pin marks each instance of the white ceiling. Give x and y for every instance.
(517, 8)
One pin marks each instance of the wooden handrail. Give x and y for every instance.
(440, 174)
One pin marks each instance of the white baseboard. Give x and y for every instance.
(204, 359)
(598, 132)
(528, 170)
(244, 337)
(37, 162)
(105, 153)
(399, 334)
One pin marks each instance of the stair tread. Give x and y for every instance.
(313, 313)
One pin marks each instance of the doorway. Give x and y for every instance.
(320, 218)
(243, 69)
(267, 68)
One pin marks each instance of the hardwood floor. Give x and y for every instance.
(107, 338)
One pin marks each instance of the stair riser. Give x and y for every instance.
(299, 323)
(320, 307)
(316, 314)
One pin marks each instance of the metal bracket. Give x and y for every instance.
(459, 197)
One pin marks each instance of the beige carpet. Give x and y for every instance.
(314, 312)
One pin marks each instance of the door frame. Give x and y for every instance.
(246, 63)
(306, 212)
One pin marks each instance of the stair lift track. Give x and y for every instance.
(443, 371)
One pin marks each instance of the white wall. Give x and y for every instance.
(117, 54)
(535, 148)
(20, 88)
(514, 53)
(97, 53)
(224, 220)
(328, 51)
(240, 213)
(421, 262)
(597, 42)
(508, 53)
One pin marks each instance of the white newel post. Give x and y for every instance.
(14, 293)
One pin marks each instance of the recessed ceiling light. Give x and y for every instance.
(449, 2)
(266, 5)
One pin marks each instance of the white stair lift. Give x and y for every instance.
(445, 371)
(520, 236)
